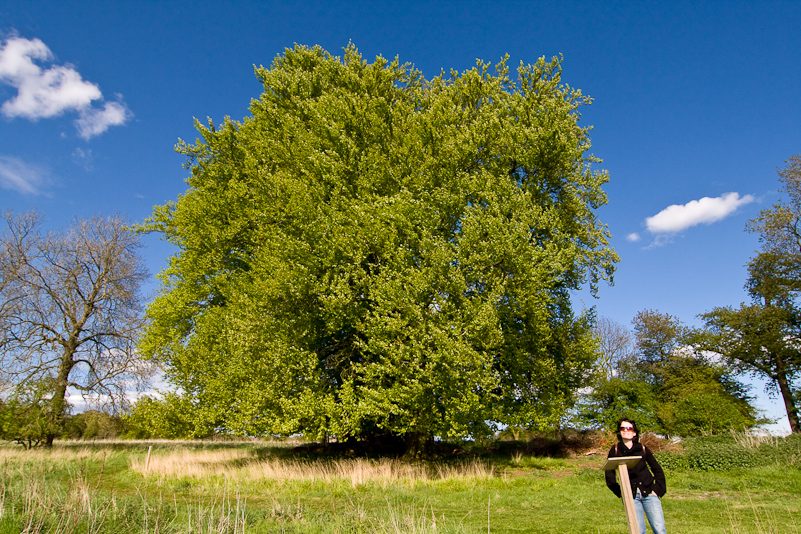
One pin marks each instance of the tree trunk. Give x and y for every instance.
(58, 403)
(789, 403)
(418, 446)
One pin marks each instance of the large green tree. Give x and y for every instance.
(372, 252)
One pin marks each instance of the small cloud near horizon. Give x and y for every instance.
(50, 92)
(706, 210)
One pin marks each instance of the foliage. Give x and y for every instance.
(695, 394)
(725, 452)
(169, 417)
(70, 308)
(763, 338)
(93, 424)
(667, 387)
(371, 252)
(699, 396)
(658, 337)
(672, 460)
(29, 421)
(610, 400)
(26, 423)
(706, 456)
(760, 339)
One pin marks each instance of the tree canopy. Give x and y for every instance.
(373, 252)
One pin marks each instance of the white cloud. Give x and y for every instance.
(17, 175)
(633, 237)
(707, 210)
(50, 92)
(96, 121)
(41, 93)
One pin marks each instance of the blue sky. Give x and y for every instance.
(696, 105)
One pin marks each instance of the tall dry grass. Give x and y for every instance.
(237, 464)
(56, 455)
(50, 492)
(61, 491)
(751, 440)
(39, 505)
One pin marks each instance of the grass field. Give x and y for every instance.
(261, 487)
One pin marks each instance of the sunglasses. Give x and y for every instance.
(627, 429)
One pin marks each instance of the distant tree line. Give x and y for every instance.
(29, 425)
(659, 379)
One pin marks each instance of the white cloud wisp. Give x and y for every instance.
(706, 210)
(44, 93)
(19, 176)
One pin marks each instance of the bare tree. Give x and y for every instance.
(615, 343)
(70, 310)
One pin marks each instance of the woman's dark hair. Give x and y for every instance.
(636, 430)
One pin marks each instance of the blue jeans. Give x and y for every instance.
(652, 507)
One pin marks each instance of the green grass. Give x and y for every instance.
(238, 488)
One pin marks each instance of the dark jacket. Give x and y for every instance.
(639, 475)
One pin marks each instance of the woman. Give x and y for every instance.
(646, 487)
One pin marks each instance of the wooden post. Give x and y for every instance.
(147, 462)
(621, 465)
(628, 499)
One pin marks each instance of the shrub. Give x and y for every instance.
(732, 451)
(674, 461)
(93, 424)
(711, 456)
(169, 417)
(25, 423)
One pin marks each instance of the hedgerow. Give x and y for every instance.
(733, 451)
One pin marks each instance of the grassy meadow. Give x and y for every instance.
(259, 487)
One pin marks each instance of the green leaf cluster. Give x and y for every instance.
(27, 423)
(613, 399)
(169, 417)
(373, 252)
(93, 424)
(698, 396)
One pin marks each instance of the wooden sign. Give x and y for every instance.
(622, 464)
(629, 461)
